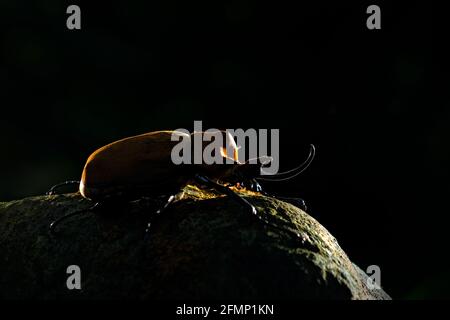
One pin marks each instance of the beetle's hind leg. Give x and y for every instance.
(55, 223)
(65, 183)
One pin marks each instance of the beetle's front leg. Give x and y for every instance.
(255, 186)
(208, 182)
(298, 202)
(226, 190)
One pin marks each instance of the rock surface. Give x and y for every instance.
(206, 246)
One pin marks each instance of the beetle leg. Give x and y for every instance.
(56, 186)
(256, 186)
(299, 202)
(53, 225)
(158, 213)
(252, 185)
(224, 189)
(206, 181)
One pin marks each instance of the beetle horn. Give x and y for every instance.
(293, 172)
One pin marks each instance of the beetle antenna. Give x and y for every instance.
(293, 172)
(53, 225)
(65, 183)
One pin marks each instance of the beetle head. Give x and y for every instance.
(250, 169)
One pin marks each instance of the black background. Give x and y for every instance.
(365, 98)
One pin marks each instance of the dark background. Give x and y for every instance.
(365, 98)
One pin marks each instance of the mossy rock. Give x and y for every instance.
(206, 246)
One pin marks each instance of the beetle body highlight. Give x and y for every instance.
(141, 165)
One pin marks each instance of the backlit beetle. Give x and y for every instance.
(140, 166)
